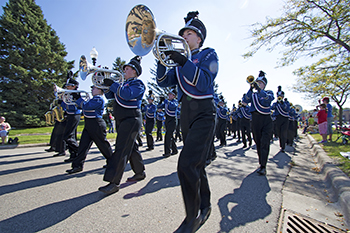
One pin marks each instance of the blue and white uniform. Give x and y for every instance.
(281, 113)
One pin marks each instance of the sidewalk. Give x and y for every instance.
(315, 189)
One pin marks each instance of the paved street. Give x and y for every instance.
(36, 194)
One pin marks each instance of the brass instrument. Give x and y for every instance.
(298, 108)
(99, 74)
(250, 79)
(55, 113)
(142, 36)
(279, 98)
(66, 95)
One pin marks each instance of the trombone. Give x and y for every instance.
(99, 74)
(142, 36)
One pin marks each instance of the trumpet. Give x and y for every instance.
(86, 69)
(250, 79)
(298, 108)
(279, 98)
(66, 95)
(142, 36)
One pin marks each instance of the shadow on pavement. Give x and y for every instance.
(281, 159)
(56, 178)
(46, 216)
(246, 204)
(155, 184)
(25, 154)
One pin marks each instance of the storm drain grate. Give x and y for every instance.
(296, 223)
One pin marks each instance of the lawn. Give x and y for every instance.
(333, 149)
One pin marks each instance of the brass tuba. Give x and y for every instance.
(142, 36)
(99, 74)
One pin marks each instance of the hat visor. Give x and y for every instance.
(199, 33)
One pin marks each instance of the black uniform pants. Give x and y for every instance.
(282, 130)
(234, 128)
(290, 134)
(94, 131)
(245, 129)
(53, 138)
(169, 142)
(159, 130)
(60, 143)
(198, 125)
(221, 131)
(128, 123)
(178, 130)
(239, 128)
(70, 134)
(262, 130)
(148, 130)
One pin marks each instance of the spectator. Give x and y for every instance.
(322, 122)
(4, 129)
(329, 107)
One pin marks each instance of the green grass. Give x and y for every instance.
(333, 149)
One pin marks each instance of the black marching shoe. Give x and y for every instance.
(137, 177)
(59, 154)
(261, 171)
(74, 170)
(174, 153)
(245, 146)
(69, 160)
(109, 188)
(166, 155)
(149, 149)
(50, 149)
(189, 227)
(205, 213)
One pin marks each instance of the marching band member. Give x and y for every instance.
(178, 128)
(221, 126)
(195, 79)
(128, 117)
(281, 112)
(261, 119)
(291, 124)
(94, 129)
(233, 116)
(170, 106)
(239, 116)
(73, 115)
(160, 118)
(245, 125)
(150, 110)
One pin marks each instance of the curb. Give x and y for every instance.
(339, 180)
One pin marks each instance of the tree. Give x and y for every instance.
(310, 28)
(31, 61)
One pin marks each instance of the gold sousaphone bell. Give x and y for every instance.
(142, 36)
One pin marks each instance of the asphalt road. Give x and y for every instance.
(37, 195)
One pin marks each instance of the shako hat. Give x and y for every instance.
(193, 23)
(262, 77)
(135, 63)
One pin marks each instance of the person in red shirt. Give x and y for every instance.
(322, 122)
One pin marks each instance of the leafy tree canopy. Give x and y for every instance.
(31, 61)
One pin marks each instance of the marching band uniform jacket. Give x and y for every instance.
(160, 118)
(170, 107)
(94, 130)
(195, 90)
(128, 117)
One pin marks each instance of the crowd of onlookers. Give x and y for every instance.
(320, 121)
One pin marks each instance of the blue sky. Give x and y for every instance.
(84, 24)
